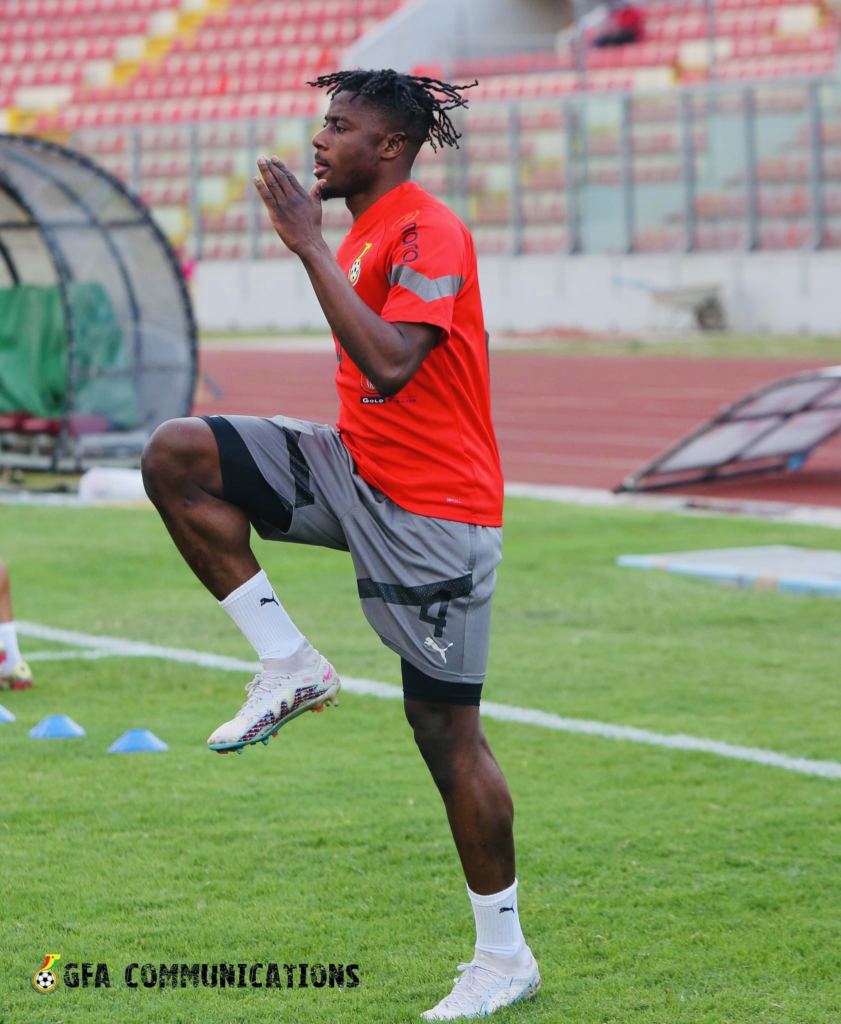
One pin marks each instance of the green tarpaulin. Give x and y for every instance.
(33, 355)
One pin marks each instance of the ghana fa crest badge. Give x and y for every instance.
(356, 267)
(45, 980)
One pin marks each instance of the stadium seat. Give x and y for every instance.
(659, 239)
(33, 9)
(283, 14)
(12, 421)
(546, 208)
(544, 239)
(166, 195)
(493, 241)
(38, 425)
(784, 235)
(545, 178)
(832, 236)
(776, 67)
(490, 210)
(637, 55)
(720, 237)
(255, 56)
(244, 59)
(87, 27)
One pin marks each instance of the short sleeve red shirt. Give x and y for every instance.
(430, 448)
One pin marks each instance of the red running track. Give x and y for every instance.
(584, 421)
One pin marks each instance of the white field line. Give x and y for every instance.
(68, 655)
(501, 712)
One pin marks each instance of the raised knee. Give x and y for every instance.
(437, 733)
(172, 452)
(426, 723)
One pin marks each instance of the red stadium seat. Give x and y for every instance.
(635, 55)
(786, 236)
(491, 211)
(33, 9)
(28, 424)
(88, 27)
(88, 423)
(272, 248)
(544, 208)
(823, 41)
(57, 50)
(492, 241)
(165, 195)
(660, 239)
(250, 59)
(546, 178)
(776, 67)
(63, 73)
(544, 240)
(832, 236)
(720, 237)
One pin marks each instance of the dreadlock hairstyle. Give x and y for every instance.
(421, 103)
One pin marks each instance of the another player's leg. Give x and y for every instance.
(481, 815)
(14, 672)
(183, 476)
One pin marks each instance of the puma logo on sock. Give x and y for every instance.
(503, 909)
(269, 600)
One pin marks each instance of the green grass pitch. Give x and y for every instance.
(656, 886)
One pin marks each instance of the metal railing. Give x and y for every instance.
(709, 167)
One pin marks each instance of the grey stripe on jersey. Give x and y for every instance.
(427, 288)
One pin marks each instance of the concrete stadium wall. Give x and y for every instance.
(763, 292)
(441, 30)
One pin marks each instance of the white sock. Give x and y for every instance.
(254, 607)
(497, 917)
(9, 640)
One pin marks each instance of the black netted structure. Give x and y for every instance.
(97, 336)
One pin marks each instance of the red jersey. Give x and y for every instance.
(430, 448)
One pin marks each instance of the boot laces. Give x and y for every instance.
(471, 987)
(260, 687)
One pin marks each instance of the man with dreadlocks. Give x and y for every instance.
(409, 483)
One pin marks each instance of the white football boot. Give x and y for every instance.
(273, 700)
(487, 984)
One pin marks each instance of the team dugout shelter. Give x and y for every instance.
(97, 335)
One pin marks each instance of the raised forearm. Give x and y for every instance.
(377, 347)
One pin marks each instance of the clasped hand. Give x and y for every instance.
(295, 213)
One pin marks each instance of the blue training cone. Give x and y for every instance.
(56, 727)
(6, 715)
(137, 741)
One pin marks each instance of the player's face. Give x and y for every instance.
(347, 149)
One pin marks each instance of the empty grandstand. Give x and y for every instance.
(720, 129)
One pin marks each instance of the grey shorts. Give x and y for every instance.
(425, 584)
